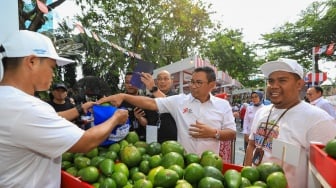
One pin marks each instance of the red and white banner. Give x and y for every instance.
(202, 63)
(319, 77)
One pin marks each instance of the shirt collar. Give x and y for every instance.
(316, 101)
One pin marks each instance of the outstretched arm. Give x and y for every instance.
(97, 134)
(142, 102)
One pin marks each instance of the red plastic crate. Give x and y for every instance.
(324, 164)
(227, 166)
(69, 181)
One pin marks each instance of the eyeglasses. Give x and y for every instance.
(197, 83)
(162, 79)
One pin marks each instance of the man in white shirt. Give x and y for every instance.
(315, 97)
(33, 136)
(202, 119)
(289, 120)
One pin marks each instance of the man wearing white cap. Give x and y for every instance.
(32, 135)
(288, 120)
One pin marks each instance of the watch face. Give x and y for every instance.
(154, 88)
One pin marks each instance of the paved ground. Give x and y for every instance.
(239, 153)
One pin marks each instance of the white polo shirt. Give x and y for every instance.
(185, 109)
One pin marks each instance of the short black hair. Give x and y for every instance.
(318, 89)
(210, 73)
(129, 73)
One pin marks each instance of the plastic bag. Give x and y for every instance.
(102, 113)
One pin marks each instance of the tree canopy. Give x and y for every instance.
(164, 32)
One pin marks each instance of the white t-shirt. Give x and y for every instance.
(249, 116)
(300, 126)
(32, 140)
(185, 109)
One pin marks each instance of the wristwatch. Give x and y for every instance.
(80, 109)
(217, 135)
(154, 89)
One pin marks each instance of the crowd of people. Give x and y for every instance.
(34, 134)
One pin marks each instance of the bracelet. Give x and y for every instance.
(217, 135)
(80, 109)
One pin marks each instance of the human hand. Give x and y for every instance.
(200, 130)
(121, 115)
(148, 80)
(87, 107)
(138, 113)
(115, 100)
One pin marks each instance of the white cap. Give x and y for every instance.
(23, 43)
(282, 64)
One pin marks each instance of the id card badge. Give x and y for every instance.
(258, 156)
(151, 133)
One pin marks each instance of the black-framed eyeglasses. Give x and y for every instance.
(197, 83)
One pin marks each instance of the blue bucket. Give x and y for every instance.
(102, 113)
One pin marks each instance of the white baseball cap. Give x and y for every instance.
(23, 43)
(282, 64)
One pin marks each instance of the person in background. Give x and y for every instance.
(137, 116)
(202, 119)
(315, 97)
(289, 120)
(167, 129)
(59, 99)
(33, 136)
(257, 103)
(242, 112)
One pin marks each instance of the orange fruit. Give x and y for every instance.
(172, 158)
(191, 158)
(108, 182)
(89, 174)
(114, 147)
(212, 159)
(193, 173)
(166, 178)
(120, 178)
(144, 166)
(211, 171)
(154, 148)
(130, 155)
(251, 173)
(92, 153)
(96, 160)
(106, 166)
(183, 184)
(121, 167)
(132, 137)
(81, 162)
(260, 184)
(143, 183)
(232, 178)
(245, 182)
(152, 173)
(210, 182)
(111, 155)
(66, 165)
(330, 148)
(171, 145)
(138, 175)
(67, 156)
(72, 170)
(154, 161)
(265, 169)
(277, 180)
(178, 169)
